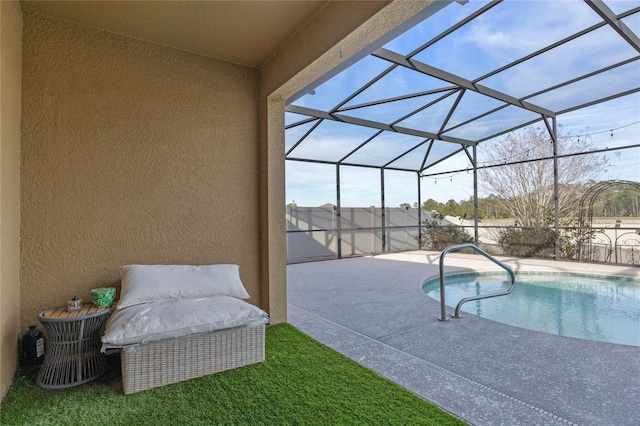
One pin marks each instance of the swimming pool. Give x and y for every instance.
(594, 307)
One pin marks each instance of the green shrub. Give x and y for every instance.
(528, 242)
(437, 237)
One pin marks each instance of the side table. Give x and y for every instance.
(72, 354)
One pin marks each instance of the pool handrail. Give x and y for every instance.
(456, 314)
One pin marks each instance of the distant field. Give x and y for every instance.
(598, 221)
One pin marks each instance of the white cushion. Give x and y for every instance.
(150, 283)
(176, 318)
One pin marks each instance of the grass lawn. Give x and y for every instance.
(301, 382)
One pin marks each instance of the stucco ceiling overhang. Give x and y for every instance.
(242, 32)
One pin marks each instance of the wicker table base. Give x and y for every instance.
(73, 347)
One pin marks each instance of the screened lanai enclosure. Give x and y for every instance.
(523, 117)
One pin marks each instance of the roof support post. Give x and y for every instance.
(553, 131)
(475, 195)
(419, 213)
(383, 216)
(556, 204)
(338, 213)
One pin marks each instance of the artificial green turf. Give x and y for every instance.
(301, 382)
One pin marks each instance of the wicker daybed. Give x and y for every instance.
(174, 360)
(177, 322)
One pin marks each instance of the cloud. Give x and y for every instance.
(591, 52)
(514, 29)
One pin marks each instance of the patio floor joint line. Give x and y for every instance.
(457, 375)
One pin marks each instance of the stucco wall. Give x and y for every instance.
(10, 67)
(137, 153)
(131, 153)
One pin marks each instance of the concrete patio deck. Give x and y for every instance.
(372, 309)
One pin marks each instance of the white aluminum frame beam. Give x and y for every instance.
(463, 83)
(374, 124)
(612, 19)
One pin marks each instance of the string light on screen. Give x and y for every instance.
(610, 131)
(507, 160)
(582, 136)
(449, 176)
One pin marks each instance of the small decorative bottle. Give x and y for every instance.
(33, 346)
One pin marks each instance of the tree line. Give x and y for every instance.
(488, 208)
(622, 201)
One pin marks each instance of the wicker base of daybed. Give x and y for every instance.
(174, 360)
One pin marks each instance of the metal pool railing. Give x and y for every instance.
(456, 314)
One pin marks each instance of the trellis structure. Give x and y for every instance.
(584, 240)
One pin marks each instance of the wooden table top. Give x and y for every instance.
(61, 312)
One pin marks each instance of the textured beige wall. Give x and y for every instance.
(10, 67)
(131, 153)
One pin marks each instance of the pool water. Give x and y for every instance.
(593, 307)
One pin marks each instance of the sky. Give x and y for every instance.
(505, 33)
